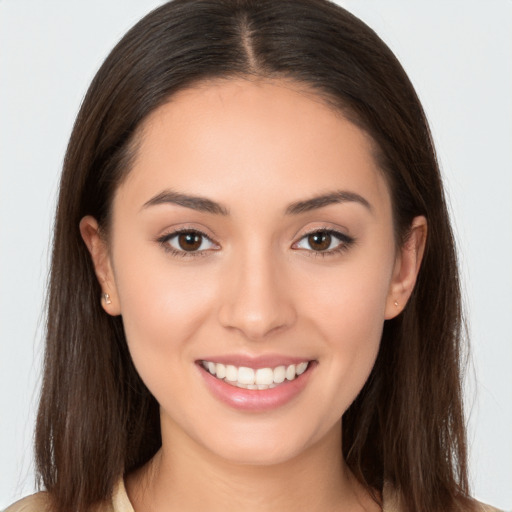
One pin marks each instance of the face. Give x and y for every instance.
(252, 247)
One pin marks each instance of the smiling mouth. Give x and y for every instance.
(257, 379)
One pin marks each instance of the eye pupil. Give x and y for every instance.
(319, 241)
(189, 241)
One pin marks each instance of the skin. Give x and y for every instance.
(257, 287)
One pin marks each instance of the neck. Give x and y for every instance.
(184, 476)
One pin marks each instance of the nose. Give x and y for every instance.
(256, 299)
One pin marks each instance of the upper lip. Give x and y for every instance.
(261, 361)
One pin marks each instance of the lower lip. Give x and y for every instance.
(256, 400)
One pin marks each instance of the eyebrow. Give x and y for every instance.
(203, 204)
(337, 197)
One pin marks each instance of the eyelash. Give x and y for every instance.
(164, 242)
(345, 243)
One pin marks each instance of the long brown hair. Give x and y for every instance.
(97, 421)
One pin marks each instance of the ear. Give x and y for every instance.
(100, 255)
(407, 266)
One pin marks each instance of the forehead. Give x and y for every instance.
(252, 139)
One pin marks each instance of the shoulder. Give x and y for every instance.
(482, 507)
(38, 502)
(393, 503)
(472, 505)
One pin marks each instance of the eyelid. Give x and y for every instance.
(345, 241)
(172, 234)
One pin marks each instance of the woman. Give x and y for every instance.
(254, 299)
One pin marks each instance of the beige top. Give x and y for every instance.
(120, 502)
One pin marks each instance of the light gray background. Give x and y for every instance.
(458, 54)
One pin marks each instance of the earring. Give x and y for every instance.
(106, 298)
(396, 303)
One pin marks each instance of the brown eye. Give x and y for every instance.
(324, 242)
(190, 241)
(320, 241)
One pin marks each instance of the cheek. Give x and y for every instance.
(346, 308)
(348, 299)
(162, 306)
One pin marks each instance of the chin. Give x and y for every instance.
(270, 454)
(261, 446)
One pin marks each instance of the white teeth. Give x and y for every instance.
(244, 386)
(245, 375)
(231, 373)
(264, 376)
(279, 374)
(221, 371)
(301, 368)
(249, 378)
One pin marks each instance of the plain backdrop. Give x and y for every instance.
(458, 54)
